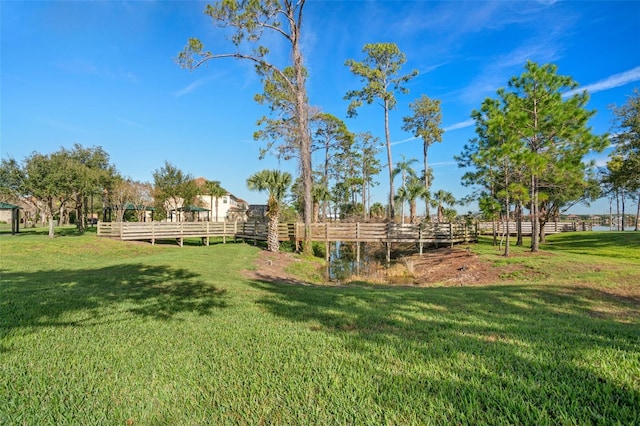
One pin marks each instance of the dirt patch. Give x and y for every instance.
(450, 266)
(272, 267)
(457, 266)
(445, 266)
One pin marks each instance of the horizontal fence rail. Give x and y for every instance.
(445, 233)
(549, 227)
(391, 232)
(166, 230)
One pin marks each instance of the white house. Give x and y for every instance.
(230, 207)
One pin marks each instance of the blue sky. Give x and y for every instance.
(102, 74)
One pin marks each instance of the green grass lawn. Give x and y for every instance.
(96, 331)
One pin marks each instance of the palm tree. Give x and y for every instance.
(406, 171)
(415, 189)
(401, 197)
(441, 198)
(214, 190)
(377, 210)
(276, 183)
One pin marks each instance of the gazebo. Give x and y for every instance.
(195, 210)
(15, 216)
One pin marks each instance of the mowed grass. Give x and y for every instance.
(96, 331)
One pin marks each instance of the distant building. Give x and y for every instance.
(230, 207)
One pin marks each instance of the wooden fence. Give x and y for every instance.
(438, 234)
(167, 230)
(549, 227)
(443, 233)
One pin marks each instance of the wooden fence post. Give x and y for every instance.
(255, 233)
(388, 243)
(327, 247)
(235, 230)
(450, 234)
(357, 247)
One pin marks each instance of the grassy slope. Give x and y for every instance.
(100, 332)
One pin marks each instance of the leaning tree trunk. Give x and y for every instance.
(542, 233)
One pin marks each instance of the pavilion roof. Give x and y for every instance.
(7, 206)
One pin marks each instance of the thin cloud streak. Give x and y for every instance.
(413, 138)
(190, 88)
(456, 126)
(131, 123)
(443, 164)
(460, 125)
(610, 82)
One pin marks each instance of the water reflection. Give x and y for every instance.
(348, 262)
(343, 263)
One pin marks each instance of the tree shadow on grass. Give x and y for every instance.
(89, 296)
(64, 231)
(495, 354)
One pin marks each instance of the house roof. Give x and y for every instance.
(7, 206)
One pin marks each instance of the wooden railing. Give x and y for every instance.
(392, 232)
(549, 227)
(166, 230)
(445, 233)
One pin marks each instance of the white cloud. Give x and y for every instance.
(131, 123)
(610, 82)
(460, 125)
(443, 164)
(216, 76)
(128, 75)
(497, 71)
(190, 88)
(456, 126)
(413, 138)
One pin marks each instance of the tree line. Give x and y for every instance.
(528, 153)
(70, 185)
(531, 139)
